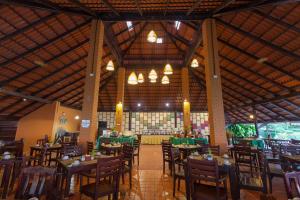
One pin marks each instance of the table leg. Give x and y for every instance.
(68, 184)
(187, 183)
(234, 185)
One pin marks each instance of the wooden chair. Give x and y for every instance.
(90, 147)
(208, 171)
(6, 168)
(39, 158)
(274, 169)
(244, 157)
(177, 174)
(254, 180)
(128, 156)
(37, 182)
(107, 179)
(166, 150)
(19, 164)
(215, 150)
(71, 151)
(289, 179)
(136, 145)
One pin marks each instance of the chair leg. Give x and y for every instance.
(174, 185)
(271, 187)
(123, 177)
(164, 166)
(130, 179)
(178, 187)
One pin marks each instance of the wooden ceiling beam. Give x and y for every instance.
(24, 96)
(225, 4)
(48, 42)
(258, 39)
(195, 6)
(276, 20)
(108, 5)
(27, 27)
(137, 4)
(193, 48)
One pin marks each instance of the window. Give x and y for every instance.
(159, 40)
(177, 25)
(129, 25)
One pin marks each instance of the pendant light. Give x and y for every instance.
(132, 79)
(165, 80)
(168, 69)
(152, 37)
(194, 63)
(140, 78)
(152, 74)
(110, 66)
(152, 80)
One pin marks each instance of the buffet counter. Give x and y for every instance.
(154, 139)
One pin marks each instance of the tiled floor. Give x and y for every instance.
(149, 182)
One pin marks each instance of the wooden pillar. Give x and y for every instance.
(213, 85)
(120, 99)
(186, 99)
(89, 123)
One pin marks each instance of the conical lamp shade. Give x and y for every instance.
(152, 74)
(152, 37)
(141, 78)
(165, 80)
(168, 69)
(132, 79)
(110, 66)
(194, 63)
(152, 80)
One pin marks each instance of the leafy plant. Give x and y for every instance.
(242, 130)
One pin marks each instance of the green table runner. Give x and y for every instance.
(121, 139)
(176, 140)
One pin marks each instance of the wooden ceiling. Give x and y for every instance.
(44, 45)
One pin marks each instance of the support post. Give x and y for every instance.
(186, 99)
(89, 124)
(120, 99)
(213, 85)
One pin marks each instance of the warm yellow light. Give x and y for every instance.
(110, 66)
(152, 74)
(132, 79)
(168, 69)
(251, 116)
(141, 78)
(165, 80)
(194, 63)
(77, 117)
(152, 80)
(152, 37)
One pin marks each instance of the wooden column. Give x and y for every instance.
(213, 84)
(91, 87)
(186, 99)
(120, 99)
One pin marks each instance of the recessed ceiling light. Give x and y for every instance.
(77, 117)
(159, 40)
(139, 105)
(251, 116)
(24, 99)
(167, 104)
(262, 60)
(177, 25)
(91, 74)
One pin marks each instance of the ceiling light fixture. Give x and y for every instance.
(110, 66)
(77, 117)
(139, 105)
(194, 63)
(168, 69)
(251, 116)
(152, 74)
(151, 37)
(132, 79)
(165, 80)
(140, 78)
(167, 104)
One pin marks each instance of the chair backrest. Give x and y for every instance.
(293, 141)
(136, 144)
(128, 152)
(109, 167)
(6, 168)
(41, 142)
(215, 150)
(166, 149)
(289, 179)
(90, 147)
(175, 156)
(240, 152)
(71, 150)
(35, 182)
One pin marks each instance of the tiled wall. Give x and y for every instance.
(156, 120)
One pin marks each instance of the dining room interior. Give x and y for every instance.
(150, 99)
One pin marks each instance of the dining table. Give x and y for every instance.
(226, 165)
(69, 167)
(186, 149)
(114, 148)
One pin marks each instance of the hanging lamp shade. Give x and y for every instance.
(141, 78)
(152, 74)
(194, 63)
(152, 37)
(152, 80)
(168, 69)
(110, 66)
(165, 80)
(132, 79)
